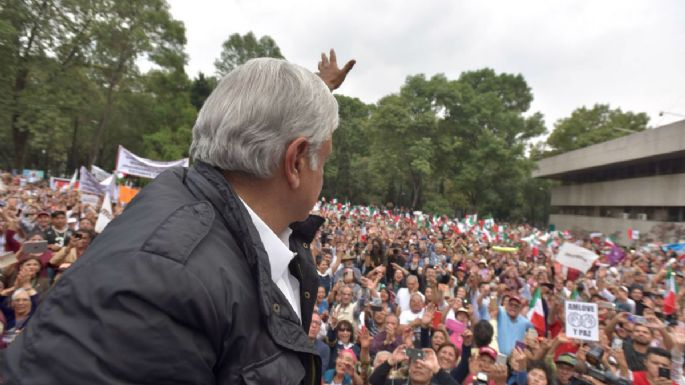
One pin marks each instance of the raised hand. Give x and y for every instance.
(398, 355)
(430, 360)
(364, 338)
(329, 71)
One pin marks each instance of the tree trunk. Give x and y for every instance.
(102, 126)
(71, 160)
(416, 191)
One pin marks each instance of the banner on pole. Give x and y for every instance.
(88, 184)
(582, 321)
(132, 164)
(99, 173)
(576, 257)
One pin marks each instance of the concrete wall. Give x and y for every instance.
(662, 190)
(608, 226)
(649, 143)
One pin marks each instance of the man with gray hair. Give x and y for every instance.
(207, 277)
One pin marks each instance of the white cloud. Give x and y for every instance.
(572, 53)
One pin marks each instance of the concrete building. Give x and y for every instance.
(636, 181)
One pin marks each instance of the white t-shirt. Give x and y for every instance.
(407, 316)
(404, 297)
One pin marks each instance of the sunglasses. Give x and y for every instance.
(78, 236)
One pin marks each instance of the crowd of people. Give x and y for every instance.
(408, 298)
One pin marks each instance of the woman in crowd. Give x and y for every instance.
(341, 337)
(343, 372)
(25, 274)
(17, 311)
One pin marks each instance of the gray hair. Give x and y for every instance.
(256, 110)
(17, 292)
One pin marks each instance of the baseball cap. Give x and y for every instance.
(515, 298)
(483, 261)
(43, 213)
(566, 358)
(462, 310)
(488, 351)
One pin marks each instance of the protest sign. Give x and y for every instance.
(90, 199)
(129, 163)
(7, 259)
(88, 184)
(99, 173)
(105, 215)
(33, 176)
(582, 321)
(576, 257)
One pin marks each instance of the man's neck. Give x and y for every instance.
(263, 198)
(639, 347)
(63, 229)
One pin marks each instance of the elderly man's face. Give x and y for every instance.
(416, 304)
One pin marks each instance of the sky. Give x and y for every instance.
(573, 53)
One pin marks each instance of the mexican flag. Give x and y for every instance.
(536, 315)
(471, 220)
(633, 235)
(669, 299)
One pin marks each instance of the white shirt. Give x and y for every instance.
(407, 316)
(404, 297)
(280, 256)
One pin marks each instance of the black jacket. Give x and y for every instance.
(177, 290)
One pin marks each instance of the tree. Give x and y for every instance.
(200, 90)
(127, 31)
(587, 126)
(236, 50)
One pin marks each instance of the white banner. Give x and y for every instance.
(582, 321)
(90, 199)
(99, 173)
(129, 163)
(576, 257)
(88, 184)
(105, 215)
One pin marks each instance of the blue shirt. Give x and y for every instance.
(329, 374)
(508, 331)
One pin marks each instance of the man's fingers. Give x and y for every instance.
(348, 66)
(324, 59)
(334, 59)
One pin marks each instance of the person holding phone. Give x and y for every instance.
(424, 368)
(658, 369)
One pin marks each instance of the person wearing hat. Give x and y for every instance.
(42, 222)
(511, 325)
(347, 261)
(565, 368)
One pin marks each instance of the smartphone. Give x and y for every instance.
(521, 345)
(664, 372)
(414, 354)
(638, 319)
(501, 359)
(35, 247)
(617, 344)
(437, 319)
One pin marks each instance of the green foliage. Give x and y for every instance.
(238, 49)
(200, 89)
(70, 89)
(444, 146)
(598, 124)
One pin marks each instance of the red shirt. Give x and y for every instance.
(640, 378)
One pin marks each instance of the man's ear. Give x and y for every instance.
(295, 161)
